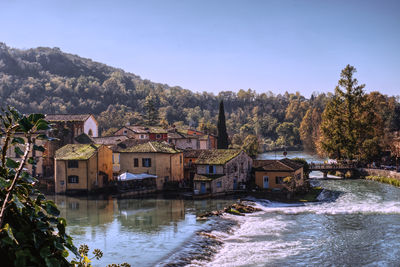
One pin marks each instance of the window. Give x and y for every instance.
(211, 169)
(298, 176)
(166, 178)
(242, 167)
(235, 168)
(219, 184)
(180, 159)
(90, 133)
(125, 132)
(115, 158)
(136, 162)
(188, 141)
(146, 162)
(158, 136)
(279, 179)
(142, 136)
(73, 179)
(73, 164)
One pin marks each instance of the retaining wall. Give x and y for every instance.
(378, 172)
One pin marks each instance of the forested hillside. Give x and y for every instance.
(48, 80)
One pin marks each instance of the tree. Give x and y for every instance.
(251, 145)
(348, 122)
(31, 231)
(151, 110)
(222, 142)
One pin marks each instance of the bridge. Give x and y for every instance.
(332, 167)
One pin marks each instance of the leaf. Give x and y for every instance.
(18, 151)
(4, 183)
(42, 125)
(35, 117)
(18, 203)
(18, 140)
(9, 232)
(11, 163)
(38, 148)
(31, 161)
(26, 177)
(51, 208)
(25, 124)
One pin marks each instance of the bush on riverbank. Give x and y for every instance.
(383, 179)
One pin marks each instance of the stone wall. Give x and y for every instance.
(379, 172)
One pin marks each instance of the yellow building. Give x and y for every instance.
(82, 167)
(156, 158)
(271, 173)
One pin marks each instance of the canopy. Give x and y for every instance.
(127, 176)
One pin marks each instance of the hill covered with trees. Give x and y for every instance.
(47, 80)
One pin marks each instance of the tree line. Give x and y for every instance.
(58, 82)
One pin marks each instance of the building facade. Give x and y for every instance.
(220, 171)
(270, 174)
(156, 158)
(82, 167)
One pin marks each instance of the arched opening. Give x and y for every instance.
(90, 133)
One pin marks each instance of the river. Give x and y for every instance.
(357, 223)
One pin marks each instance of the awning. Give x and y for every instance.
(127, 176)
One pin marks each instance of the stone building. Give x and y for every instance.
(270, 174)
(82, 167)
(220, 171)
(156, 158)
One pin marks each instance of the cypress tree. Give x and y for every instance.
(222, 135)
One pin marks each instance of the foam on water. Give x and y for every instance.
(273, 235)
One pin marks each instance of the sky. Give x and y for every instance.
(213, 46)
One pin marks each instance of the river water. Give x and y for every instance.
(357, 223)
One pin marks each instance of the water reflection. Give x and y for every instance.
(141, 232)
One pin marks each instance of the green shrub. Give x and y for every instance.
(383, 179)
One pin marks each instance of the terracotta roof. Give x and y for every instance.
(76, 152)
(217, 156)
(206, 177)
(152, 147)
(109, 140)
(67, 117)
(276, 165)
(130, 142)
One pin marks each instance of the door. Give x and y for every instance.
(235, 185)
(202, 188)
(266, 182)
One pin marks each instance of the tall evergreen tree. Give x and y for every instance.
(150, 107)
(222, 135)
(348, 123)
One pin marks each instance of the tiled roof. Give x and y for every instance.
(152, 147)
(146, 129)
(192, 153)
(76, 152)
(84, 139)
(217, 156)
(67, 117)
(127, 144)
(206, 177)
(109, 140)
(276, 165)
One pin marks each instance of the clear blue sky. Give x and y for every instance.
(215, 45)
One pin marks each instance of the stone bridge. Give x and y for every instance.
(332, 167)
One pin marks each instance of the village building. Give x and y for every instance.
(149, 133)
(220, 171)
(82, 167)
(37, 155)
(109, 140)
(156, 158)
(67, 129)
(270, 174)
(183, 141)
(189, 163)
